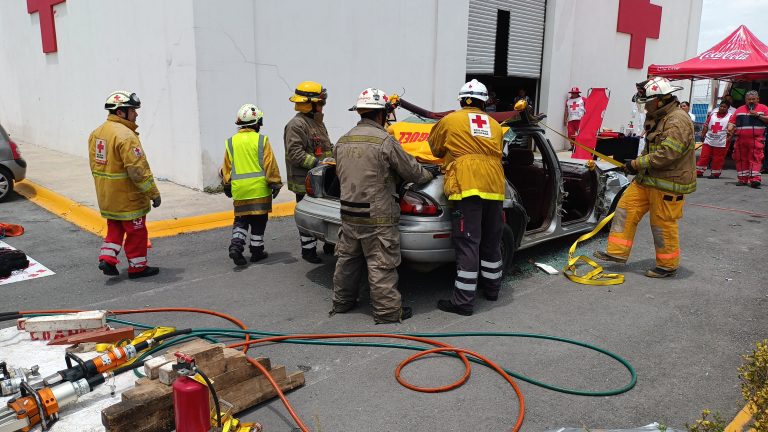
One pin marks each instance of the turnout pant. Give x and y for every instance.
(713, 157)
(308, 242)
(256, 224)
(478, 225)
(376, 247)
(573, 129)
(665, 208)
(132, 233)
(748, 155)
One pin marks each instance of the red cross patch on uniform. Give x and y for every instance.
(100, 152)
(137, 151)
(479, 125)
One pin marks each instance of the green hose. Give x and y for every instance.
(207, 333)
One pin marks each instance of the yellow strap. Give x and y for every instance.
(596, 276)
(147, 334)
(608, 159)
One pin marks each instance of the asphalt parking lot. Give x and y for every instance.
(684, 336)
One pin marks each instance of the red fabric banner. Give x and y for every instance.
(595, 105)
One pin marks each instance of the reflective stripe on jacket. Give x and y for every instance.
(472, 161)
(121, 173)
(370, 164)
(668, 161)
(253, 173)
(306, 142)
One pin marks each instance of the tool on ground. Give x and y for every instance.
(11, 378)
(43, 406)
(105, 335)
(110, 360)
(608, 159)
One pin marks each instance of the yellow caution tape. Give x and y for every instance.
(596, 276)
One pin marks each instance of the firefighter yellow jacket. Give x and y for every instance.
(471, 143)
(254, 206)
(124, 182)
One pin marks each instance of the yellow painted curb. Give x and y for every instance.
(91, 220)
(741, 420)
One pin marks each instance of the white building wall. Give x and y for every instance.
(55, 100)
(582, 48)
(259, 51)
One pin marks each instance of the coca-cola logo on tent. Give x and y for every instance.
(726, 55)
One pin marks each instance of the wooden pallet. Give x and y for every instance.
(148, 407)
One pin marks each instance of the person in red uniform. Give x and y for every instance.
(574, 111)
(747, 125)
(714, 135)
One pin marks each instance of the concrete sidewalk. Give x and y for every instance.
(70, 176)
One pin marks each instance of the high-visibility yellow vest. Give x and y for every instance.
(246, 151)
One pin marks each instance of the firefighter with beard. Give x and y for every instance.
(306, 145)
(664, 174)
(370, 163)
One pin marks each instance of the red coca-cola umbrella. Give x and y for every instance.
(739, 57)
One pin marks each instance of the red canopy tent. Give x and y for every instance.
(739, 57)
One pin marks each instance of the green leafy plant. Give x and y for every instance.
(754, 384)
(707, 424)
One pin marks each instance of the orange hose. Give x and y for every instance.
(229, 318)
(441, 347)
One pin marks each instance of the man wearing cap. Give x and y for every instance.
(664, 174)
(574, 111)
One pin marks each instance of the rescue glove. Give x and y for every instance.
(228, 190)
(275, 191)
(328, 161)
(629, 168)
(156, 201)
(433, 169)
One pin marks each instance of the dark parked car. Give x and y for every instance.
(12, 167)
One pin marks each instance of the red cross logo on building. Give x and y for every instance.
(574, 106)
(717, 127)
(479, 121)
(641, 20)
(47, 24)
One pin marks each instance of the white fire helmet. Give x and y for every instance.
(656, 87)
(371, 99)
(248, 114)
(122, 99)
(473, 89)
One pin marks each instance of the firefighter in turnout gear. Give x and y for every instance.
(306, 145)
(370, 164)
(125, 186)
(252, 179)
(471, 142)
(664, 174)
(748, 125)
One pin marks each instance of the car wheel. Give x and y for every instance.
(507, 247)
(6, 185)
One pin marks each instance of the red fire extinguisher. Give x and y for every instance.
(191, 407)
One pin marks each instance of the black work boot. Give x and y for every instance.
(342, 308)
(258, 256)
(148, 271)
(603, 256)
(405, 313)
(108, 269)
(311, 256)
(237, 257)
(447, 306)
(658, 272)
(755, 184)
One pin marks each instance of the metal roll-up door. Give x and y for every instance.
(526, 37)
(481, 36)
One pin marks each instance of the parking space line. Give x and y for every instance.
(90, 220)
(741, 420)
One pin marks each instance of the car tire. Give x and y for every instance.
(507, 247)
(6, 184)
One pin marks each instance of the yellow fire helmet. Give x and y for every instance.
(309, 91)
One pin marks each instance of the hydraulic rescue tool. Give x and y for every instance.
(11, 378)
(111, 359)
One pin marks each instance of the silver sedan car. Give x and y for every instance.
(12, 167)
(546, 198)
